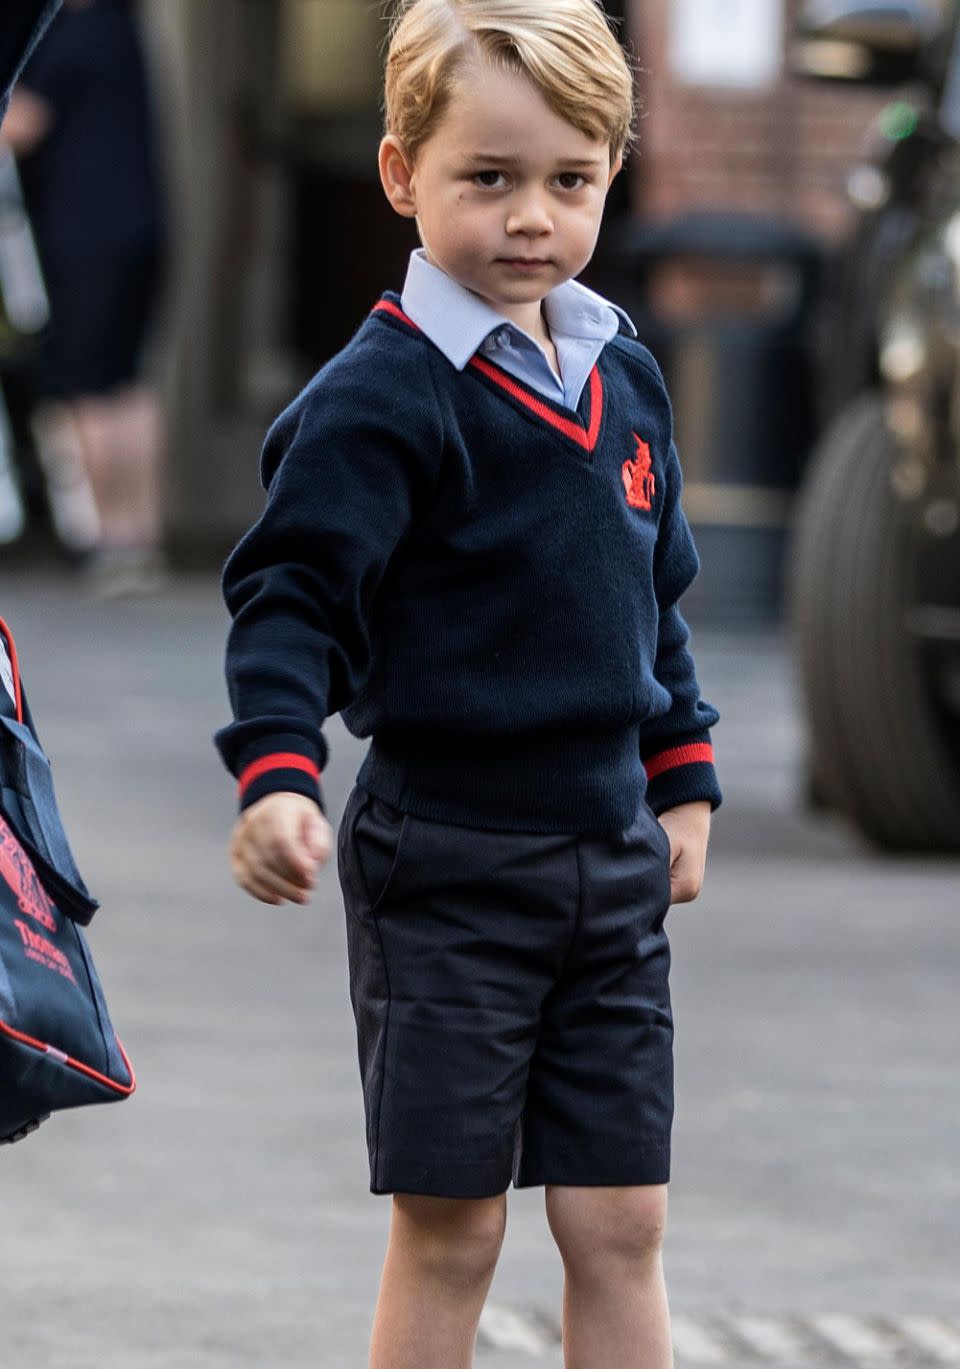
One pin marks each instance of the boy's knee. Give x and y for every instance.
(454, 1241)
(602, 1229)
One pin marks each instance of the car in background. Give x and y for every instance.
(875, 565)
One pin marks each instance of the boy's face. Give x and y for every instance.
(507, 195)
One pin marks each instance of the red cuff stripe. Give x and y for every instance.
(699, 752)
(280, 760)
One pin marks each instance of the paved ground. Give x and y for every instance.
(221, 1217)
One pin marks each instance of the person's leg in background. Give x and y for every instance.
(120, 435)
(62, 459)
(100, 448)
(12, 513)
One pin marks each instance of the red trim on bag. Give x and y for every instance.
(698, 752)
(586, 438)
(280, 760)
(15, 666)
(124, 1089)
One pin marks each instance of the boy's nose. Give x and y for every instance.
(530, 217)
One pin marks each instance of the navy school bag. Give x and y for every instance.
(57, 1046)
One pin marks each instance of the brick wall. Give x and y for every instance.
(785, 150)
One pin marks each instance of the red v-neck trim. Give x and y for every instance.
(584, 437)
(386, 306)
(575, 431)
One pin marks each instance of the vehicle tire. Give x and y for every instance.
(881, 748)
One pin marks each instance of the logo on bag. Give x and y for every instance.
(17, 870)
(38, 948)
(638, 478)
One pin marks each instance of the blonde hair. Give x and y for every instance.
(566, 47)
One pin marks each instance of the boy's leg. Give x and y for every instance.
(615, 1313)
(440, 1261)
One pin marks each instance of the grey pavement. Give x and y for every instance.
(221, 1217)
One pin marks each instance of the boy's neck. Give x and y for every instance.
(533, 320)
(530, 317)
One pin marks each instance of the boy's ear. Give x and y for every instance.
(396, 176)
(615, 171)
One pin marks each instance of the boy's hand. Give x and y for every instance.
(688, 828)
(277, 845)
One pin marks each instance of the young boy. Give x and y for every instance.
(473, 546)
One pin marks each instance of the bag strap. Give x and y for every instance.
(10, 659)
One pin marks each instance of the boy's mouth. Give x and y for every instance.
(524, 263)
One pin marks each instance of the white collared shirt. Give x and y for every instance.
(461, 324)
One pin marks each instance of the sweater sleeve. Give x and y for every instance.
(343, 470)
(676, 748)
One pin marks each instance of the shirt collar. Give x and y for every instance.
(458, 321)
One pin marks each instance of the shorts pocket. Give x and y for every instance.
(370, 846)
(649, 833)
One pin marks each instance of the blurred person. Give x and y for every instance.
(24, 316)
(82, 127)
(22, 23)
(474, 547)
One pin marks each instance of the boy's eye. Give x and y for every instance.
(570, 180)
(490, 180)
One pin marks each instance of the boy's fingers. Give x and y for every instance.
(673, 845)
(685, 881)
(290, 863)
(317, 836)
(260, 890)
(290, 880)
(296, 856)
(683, 892)
(252, 874)
(270, 888)
(275, 851)
(283, 876)
(287, 889)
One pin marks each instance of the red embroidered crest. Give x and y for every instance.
(638, 478)
(17, 870)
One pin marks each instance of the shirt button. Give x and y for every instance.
(503, 337)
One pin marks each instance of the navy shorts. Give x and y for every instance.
(512, 1002)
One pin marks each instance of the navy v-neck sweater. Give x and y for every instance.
(483, 582)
